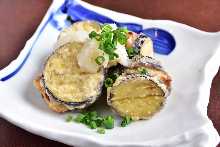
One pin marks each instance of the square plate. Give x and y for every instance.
(182, 123)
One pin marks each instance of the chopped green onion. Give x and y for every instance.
(93, 120)
(101, 130)
(132, 52)
(142, 70)
(93, 34)
(108, 122)
(121, 38)
(120, 35)
(126, 120)
(79, 118)
(99, 121)
(123, 29)
(113, 76)
(108, 82)
(106, 28)
(92, 125)
(99, 60)
(69, 118)
(93, 115)
(108, 39)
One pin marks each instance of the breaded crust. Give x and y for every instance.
(57, 107)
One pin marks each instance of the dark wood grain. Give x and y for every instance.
(19, 19)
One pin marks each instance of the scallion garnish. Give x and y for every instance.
(93, 120)
(79, 118)
(92, 125)
(99, 60)
(69, 118)
(108, 82)
(132, 52)
(106, 28)
(108, 39)
(101, 130)
(142, 70)
(113, 76)
(126, 120)
(108, 122)
(93, 34)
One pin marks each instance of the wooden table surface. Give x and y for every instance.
(19, 19)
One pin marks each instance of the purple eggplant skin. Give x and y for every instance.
(83, 104)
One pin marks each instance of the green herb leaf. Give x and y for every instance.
(99, 60)
(69, 118)
(108, 82)
(101, 130)
(126, 120)
(108, 122)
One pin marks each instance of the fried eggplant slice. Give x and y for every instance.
(141, 90)
(64, 82)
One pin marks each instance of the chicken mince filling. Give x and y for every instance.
(66, 80)
(137, 98)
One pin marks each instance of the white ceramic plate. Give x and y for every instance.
(182, 123)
